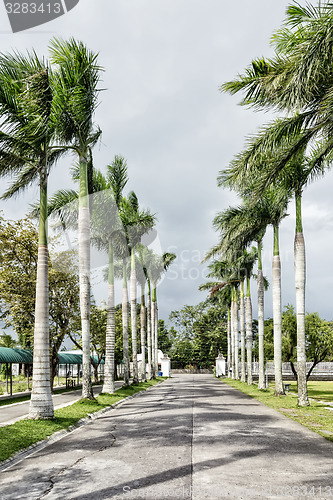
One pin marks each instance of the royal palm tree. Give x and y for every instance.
(136, 223)
(28, 150)
(238, 228)
(77, 78)
(156, 267)
(143, 256)
(228, 281)
(245, 265)
(105, 195)
(297, 172)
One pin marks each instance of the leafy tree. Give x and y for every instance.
(183, 353)
(165, 337)
(319, 339)
(200, 333)
(184, 319)
(7, 340)
(18, 271)
(210, 336)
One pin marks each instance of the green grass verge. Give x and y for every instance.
(322, 391)
(57, 390)
(315, 416)
(25, 433)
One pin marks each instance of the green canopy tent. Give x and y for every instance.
(9, 355)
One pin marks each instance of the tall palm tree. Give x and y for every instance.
(227, 274)
(28, 150)
(245, 264)
(77, 78)
(142, 276)
(297, 171)
(117, 179)
(105, 195)
(238, 228)
(136, 223)
(156, 267)
(223, 291)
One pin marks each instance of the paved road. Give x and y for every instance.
(16, 411)
(191, 437)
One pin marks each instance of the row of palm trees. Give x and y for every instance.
(47, 109)
(280, 160)
(118, 227)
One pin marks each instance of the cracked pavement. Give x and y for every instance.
(190, 437)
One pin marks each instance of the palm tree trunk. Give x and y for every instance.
(84, 271)
(229, 364)
(153, 336)
(155, 329)
(242, 331)
(149, 336)
(109, 367)
(233, 353)
(236, 336)
(41, 404)
(124, 308)
(276, 290)
(249, 337)
(300, 278)
(261, 382)
(133, 319)
(143, 333)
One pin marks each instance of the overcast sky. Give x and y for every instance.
(164, 61)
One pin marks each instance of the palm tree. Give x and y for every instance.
(297, 171)
(156, 267)
(105, 196)
(28, 150)
(135, 224)
(223, 291)
(227, 274)
(239, 227)
(76, 82)
(245, 265)
(142, 277)
(252, 257)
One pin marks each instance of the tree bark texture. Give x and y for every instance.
(143, 334)
(133, 320)
(242, 331)
(276, 290)
(41, 404)
(261, 382)
(125, 317)
(84, 271)
(229, 363)
(149, 338)
(249, 340)
(300, 278)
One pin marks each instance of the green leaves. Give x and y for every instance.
(75, 87)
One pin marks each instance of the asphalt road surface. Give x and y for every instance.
(190, 437)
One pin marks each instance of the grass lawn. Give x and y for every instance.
(315, 416)
(57, 390)
(24, 433)
(322, 391)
